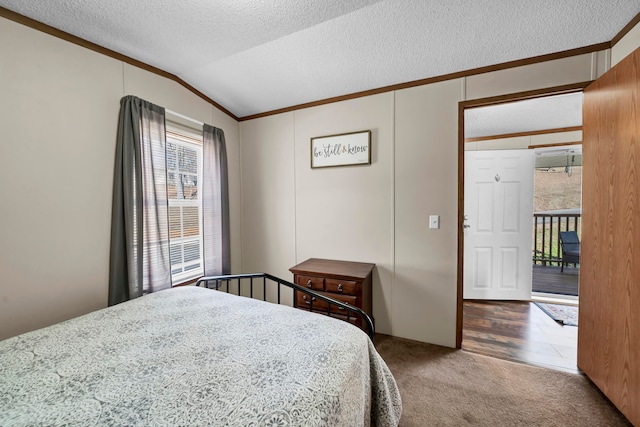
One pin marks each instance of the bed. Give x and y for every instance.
(195, 356)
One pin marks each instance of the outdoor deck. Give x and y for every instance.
(550, 280)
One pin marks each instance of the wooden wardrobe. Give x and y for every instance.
(609, 316)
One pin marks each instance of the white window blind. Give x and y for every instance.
(184, 172)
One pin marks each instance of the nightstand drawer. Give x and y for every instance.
(345, 287)
(345, 281)
(305, 301)
(315, 283)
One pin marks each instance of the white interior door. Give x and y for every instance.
(498, 201)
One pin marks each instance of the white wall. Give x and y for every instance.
(574, 69)
(626, 45)
(59, 107)
(347, 212)
(413, 175)
(426, 120)
(268, 195)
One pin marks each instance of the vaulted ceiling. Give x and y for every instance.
(254, 56)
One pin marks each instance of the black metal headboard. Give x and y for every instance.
(253, 279)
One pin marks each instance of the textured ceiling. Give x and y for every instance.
(552, 112)
(253, 56)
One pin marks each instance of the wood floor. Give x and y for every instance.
(550, 280)
(519, 331)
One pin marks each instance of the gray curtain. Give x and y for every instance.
(215, 203)
(139, 261)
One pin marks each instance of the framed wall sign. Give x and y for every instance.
(341, 150)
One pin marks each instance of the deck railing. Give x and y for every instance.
(546, 235)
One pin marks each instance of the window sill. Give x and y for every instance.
(187, 282)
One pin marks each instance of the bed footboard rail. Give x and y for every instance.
(256, 285)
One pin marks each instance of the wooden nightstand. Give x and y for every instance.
(345, 281)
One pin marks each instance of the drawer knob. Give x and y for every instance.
(339, 287)
(304, 297)
(309, 283)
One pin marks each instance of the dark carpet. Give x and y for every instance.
(447, 387)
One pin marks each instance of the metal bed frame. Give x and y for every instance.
(254, 279)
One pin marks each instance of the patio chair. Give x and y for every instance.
(570, 245)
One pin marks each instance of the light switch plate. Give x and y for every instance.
(434, 221)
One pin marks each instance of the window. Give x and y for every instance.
(170, 216)
(184, 172)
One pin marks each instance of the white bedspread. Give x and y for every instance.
(192, 356)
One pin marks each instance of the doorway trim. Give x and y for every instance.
(501, 99)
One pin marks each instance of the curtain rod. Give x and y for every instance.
(182, 116)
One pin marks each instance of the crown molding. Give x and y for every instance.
(625, 30)
(481, 70)
(518, 134)
(36, 25)
(21, 19)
